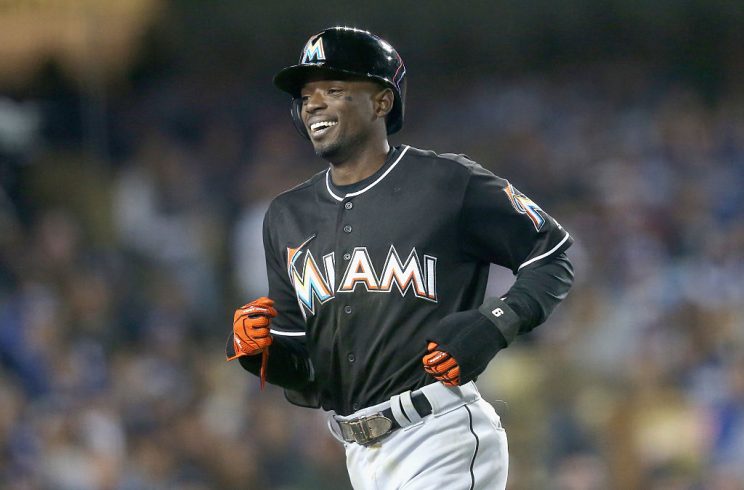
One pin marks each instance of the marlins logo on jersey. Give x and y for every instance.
(525, 205)
(311, 283)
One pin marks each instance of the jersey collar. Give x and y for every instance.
(338, 195)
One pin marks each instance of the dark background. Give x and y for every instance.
(141, 141)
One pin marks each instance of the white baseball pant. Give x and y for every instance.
(461, 445)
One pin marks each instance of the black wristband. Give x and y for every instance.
(502, 316)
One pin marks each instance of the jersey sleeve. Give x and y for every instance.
(289, 364)
(503, 226)
(289, 322)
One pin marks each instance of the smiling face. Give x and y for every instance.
(342, 116)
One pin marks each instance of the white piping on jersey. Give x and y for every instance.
(352, 194)
(533, 259)
(286, 334)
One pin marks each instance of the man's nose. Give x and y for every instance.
(314, 101)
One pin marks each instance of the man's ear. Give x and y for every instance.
(384, 101)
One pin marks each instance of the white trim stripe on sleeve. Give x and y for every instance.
(533, 259)
(286, 334)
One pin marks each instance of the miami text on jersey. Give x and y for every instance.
(406, 276)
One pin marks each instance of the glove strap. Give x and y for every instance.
(264, 363)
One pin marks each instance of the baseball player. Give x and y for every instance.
(377, 271)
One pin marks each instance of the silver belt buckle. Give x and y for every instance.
(366, 430)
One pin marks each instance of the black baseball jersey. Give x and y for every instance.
(361, 273)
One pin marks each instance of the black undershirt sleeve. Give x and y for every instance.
(288, 364)
(538, 289)
(288, 367)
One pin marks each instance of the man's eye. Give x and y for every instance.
(334, 91)
(305, 98)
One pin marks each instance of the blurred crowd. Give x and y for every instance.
(119, 274)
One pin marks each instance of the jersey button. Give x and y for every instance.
(347, 256)
(349, 205)
(347, 228)
(351, 358)
(347, 309)
(355, 406)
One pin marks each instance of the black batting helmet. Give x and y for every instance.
(346, 52)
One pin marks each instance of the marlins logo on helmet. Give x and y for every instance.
(313, 51)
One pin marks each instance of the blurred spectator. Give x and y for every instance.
(165, 214)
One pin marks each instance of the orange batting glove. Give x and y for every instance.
(251, 335)
(441, 365)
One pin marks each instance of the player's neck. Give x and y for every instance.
(359, 166)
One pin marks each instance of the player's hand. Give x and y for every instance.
(251, 334)
(441, 365)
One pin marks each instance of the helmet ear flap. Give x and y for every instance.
(296, 111)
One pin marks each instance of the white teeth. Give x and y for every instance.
(322, 124)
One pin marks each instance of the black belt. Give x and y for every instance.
(371, 428)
